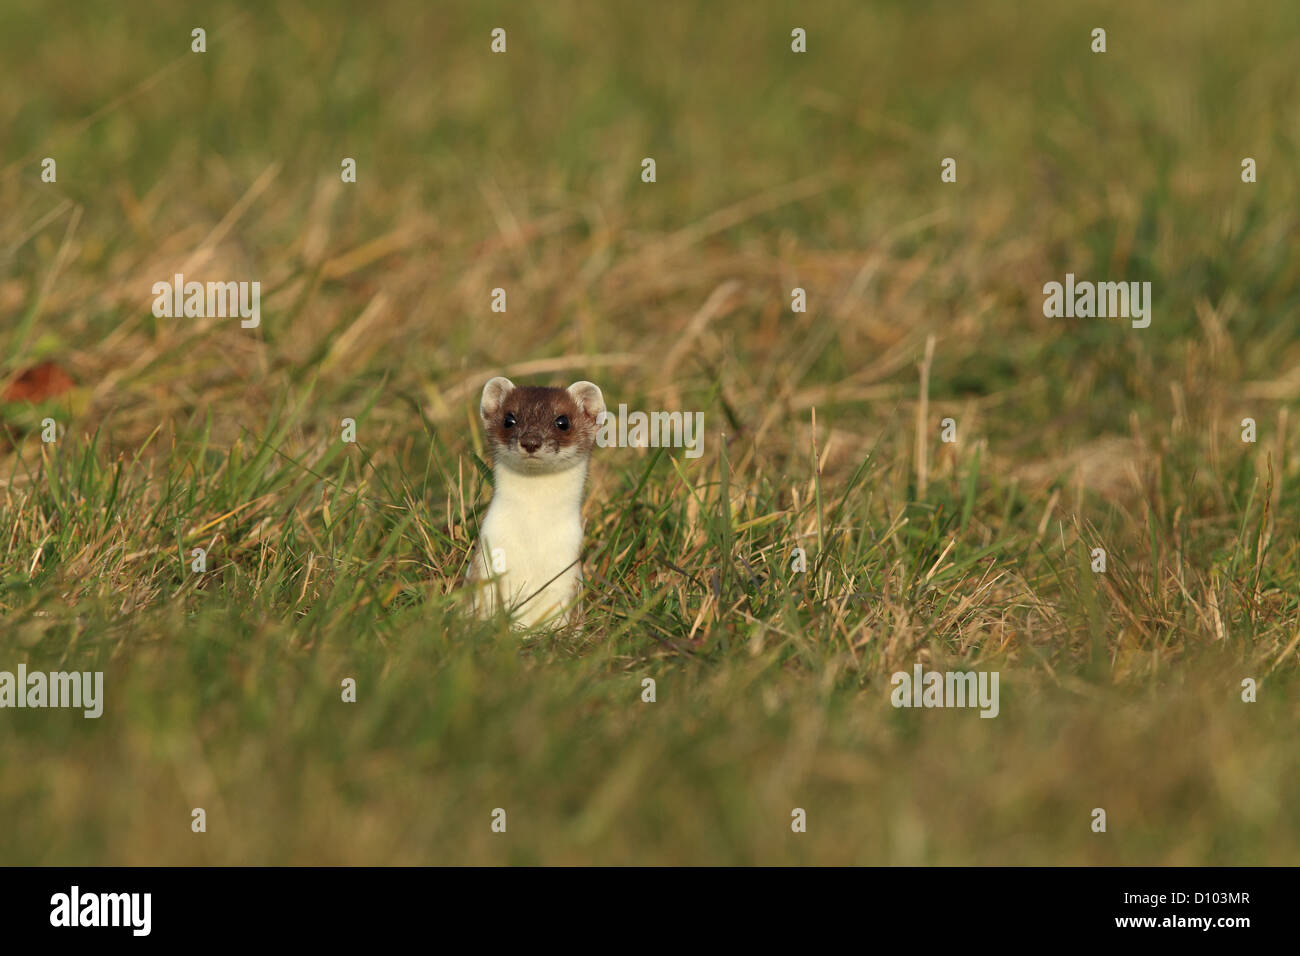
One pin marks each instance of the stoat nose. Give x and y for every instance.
(529, 445)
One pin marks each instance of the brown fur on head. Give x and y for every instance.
(534, 429)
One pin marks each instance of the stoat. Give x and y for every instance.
(530, 542)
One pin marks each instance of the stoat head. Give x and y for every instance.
(534, 430)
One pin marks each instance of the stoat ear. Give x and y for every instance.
(494, 394)
(589, 400)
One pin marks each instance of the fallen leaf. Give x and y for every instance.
(38, 383)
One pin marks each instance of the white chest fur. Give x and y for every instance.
(530, 546)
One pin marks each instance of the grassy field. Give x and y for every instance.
(775, 170)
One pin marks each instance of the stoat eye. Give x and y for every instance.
(510, 419)
(562, 423)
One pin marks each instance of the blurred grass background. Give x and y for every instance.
(775, 170)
